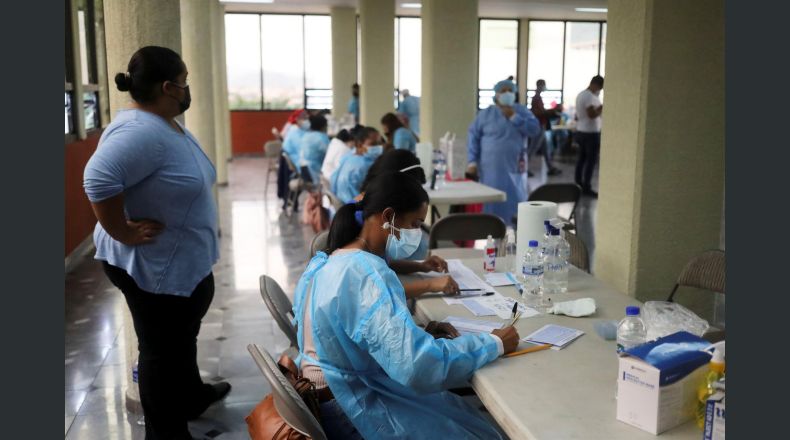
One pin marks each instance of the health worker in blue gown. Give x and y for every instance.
(346, 181)
(410, 106)
(312, 149)
(293, 139)
(386, 374)
(496, 148)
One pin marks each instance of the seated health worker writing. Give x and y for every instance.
(356, 336)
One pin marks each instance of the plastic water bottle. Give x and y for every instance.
(555, 275)
(532, 277)
(631, 331)
(489, 259)
(439, 168)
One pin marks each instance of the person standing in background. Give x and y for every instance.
(410, 106)
(544, 115)
(588, 133)
(151, 188)
(353, 103)
(496, 149)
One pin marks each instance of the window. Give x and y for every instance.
(408, 55)
(279, 62)
(498, 57)
(566, 54)
(88, 79)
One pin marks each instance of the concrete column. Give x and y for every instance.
(662, 171)
(344, 57)
(197, 54)
(523, 60)
(224, 84)
(217, 41)
(449, 68)
(377, 85)
(128, 26)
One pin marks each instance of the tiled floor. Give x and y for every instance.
(256, 239)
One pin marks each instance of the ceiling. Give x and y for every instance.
(554, 9)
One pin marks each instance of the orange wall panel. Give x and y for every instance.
(251, 129)
(79, 215)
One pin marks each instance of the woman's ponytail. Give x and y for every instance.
(346, 226)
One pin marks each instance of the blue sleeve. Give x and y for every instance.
(124, 158)
(473, 136)
(526, 122)
(385, 329)
(401, 139)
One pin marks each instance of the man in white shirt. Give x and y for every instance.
(588, 133)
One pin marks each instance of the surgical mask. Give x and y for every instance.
(304, 125)
(403, 247)
(507, 98)
(374, 151)
(184, 105)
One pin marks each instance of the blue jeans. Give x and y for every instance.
(335, 422)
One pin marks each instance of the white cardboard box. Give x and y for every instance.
(714, 417)
(641, 402)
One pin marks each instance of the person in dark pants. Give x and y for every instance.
(151, 188)
(588, 133)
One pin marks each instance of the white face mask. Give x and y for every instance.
(403, 247)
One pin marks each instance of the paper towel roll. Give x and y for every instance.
(425, 154)
(531, 216)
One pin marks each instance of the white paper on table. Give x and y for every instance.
(452, 301)
(477, 308)
(553, 334)
(503, 306)
(465, 277)
(498, 279)
(468, 326)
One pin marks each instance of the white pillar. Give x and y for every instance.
(661, 181)
(377, 85)
(344, 57)
(449, 68)
(224, 84)
(217, 66)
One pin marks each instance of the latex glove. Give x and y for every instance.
(576, 308)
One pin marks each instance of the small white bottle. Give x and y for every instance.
(489, 258)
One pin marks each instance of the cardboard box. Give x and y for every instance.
(714, 417)
(642, 401)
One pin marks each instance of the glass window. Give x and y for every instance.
(602, 70)
(68, 113)
(409, 55)
(581, 59)
(318, 51)
(91, 109)
(544, 57)
(243, 51)
(498, 54)
(283, 61)
(84, 54)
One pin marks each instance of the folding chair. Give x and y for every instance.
(580, 257)
(280, 307)
(272, 151)
(559, 193)
(466, 227)
(319, 243)
(704, 271)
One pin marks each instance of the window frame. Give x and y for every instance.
(74, 85)
(304, 71)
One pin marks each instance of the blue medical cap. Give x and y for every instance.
(505, 82)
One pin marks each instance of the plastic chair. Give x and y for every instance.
(580, 257)
(466, 227)
(295, 185)
(272, 151)
(280, 307)
(287, 402)
(319, 243)
(559, 193)
(333, 199)
(705, 271)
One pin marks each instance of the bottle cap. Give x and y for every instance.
(533, 243)
(632, 311)
(555, 231)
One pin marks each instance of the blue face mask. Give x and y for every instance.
(304, 125)
(507, 98)
(374, 151)
(403, 247)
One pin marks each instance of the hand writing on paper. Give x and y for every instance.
(509, 337)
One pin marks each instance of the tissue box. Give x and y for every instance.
(714, 417)
(657, 382)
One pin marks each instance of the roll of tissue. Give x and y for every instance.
(531, 216)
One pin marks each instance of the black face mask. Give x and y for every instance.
(184, 105)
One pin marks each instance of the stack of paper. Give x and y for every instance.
(465, 277)
(556, 335)
(467, 326)
(499, 279)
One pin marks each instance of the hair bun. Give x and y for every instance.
(123, 82)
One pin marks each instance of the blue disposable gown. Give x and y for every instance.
(496, 144)
(347, 179)
(404, 139)
(387, 374)
(312, 151)
(410, 106)
(292, 144)
(353, 107)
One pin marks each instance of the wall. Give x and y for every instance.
(79, 215)
(251, 129)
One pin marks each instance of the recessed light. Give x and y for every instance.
(246, 1)
(411, 5)
(602, 10)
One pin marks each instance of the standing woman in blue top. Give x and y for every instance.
(496, 148)
(150, 186)
(397, 134)
(353, 103)
(313, 147)
(346, 181)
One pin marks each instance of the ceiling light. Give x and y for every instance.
(411, 5)
(601, 10)
(246, 1)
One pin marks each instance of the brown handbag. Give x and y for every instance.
(265, 423)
